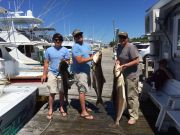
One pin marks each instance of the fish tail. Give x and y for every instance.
(99, 101)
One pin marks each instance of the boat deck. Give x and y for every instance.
(12, 96)
(16, 103)
(73, 124)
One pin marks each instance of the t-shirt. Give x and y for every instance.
(54, 56)
(126, 54)
(160, 77)
(84, 51)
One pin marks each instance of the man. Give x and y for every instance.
(53, 56)
(128, 58)
(81, 56)
(161, 75)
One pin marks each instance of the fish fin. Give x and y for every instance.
(104, 80)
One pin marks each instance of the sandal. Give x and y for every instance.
(89, 109)
(88, 117)
(113, 125)
(131, 121)
(64, 114)
(49, 116)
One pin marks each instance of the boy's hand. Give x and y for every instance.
(43, 78)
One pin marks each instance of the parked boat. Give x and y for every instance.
(14, 69)
(14, 30)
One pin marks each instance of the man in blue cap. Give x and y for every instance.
(81, 56)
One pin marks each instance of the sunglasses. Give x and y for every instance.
(124, 37)
(78, 36)
(57, 40)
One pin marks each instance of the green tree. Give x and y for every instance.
(112, 43)
(141, 39)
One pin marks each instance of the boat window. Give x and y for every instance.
(0, 53)
(21, 48)
(27, 49)
(2, 40)
(8, 49)
(176, 38)
(147, 24)
(178, 35)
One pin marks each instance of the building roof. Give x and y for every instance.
(158, 5)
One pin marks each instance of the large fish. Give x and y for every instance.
(118, 93)
(97, 76)
(63, 70)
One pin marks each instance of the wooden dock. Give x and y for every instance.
(73, 124)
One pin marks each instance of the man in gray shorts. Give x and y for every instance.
(128, 58)
(53, 56)
(81, 56)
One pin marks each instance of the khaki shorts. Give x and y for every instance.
(83, 82)
(54, 83)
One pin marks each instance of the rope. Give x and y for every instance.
(46, 127)
(4, 82)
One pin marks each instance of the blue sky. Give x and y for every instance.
(93, 17)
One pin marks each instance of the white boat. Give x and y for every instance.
(13, 69)
(17, 102)
(27, 46)
(27, 50)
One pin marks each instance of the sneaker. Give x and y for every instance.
(131, 121)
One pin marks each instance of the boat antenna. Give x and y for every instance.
(69, 28)
(29, 4)
(32, 7)
(19, 4)
(61, 14)
(57, 20)
(15, 6)
(64, 27)
(93, 33)
(9, 5)
(44, 7)
(114, 30)
(49, 8)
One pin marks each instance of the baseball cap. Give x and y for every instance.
(76, 32)
(123, 34)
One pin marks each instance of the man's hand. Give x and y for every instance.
(91, 56)
(43, 78)
(117, 62)
(122, 67)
